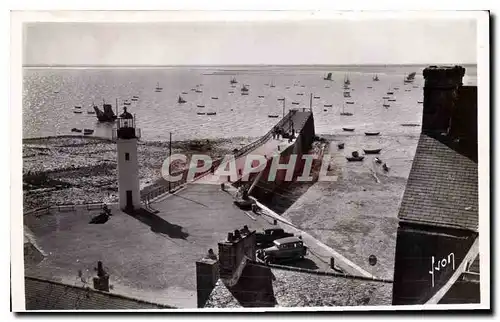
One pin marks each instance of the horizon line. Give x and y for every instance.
(235, 65)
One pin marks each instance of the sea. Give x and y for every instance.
(51, 95)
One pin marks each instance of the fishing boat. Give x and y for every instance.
(233, 81)
(385, 104)
(350, 102)
(375, 78)
(347, 81)
(372, 151)
(317, 97)
(77, 112)
(372, 133)
(273, 116)
(201, 113)
(180, 100)
(158, 88)
(215, 98)
(76, 130)
(328, 105)
(347, 94)
(295, 103)
(87, 131)
(348, 129)
(410, 78)
(351, 159)
(107, 114)
(244, 88)
(343, 113)
(200, 105)
(78, 107)
(211, 113)
(341, 145)
(328, 77)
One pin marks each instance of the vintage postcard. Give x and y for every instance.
(251, 161)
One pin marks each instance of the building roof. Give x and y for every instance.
(48, 295)
(442, 188)
(263, 287)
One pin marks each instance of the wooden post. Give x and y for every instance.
(311, 102)
(170, 163)
(283, 108)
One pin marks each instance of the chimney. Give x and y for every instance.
(101, 282)
(239, 244)
(207, 274)
(440, 95)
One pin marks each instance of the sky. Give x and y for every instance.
(376, 41)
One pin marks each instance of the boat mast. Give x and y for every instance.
(311, 102)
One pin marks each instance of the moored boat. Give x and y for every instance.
(77, 112)
(372, 133)
(88, 131)
(328, 105)
(375, 78)
(295, 103)
(348, 129)
(211, 113)
(351, 159)
(201, 113)
(328, 77)
(372, 151)
(349, 102)
(76, 130)
(181, 100)
(273, 115)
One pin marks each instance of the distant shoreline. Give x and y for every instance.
(234, 67)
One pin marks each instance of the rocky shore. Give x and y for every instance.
(58, 170)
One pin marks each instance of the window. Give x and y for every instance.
(127, 156)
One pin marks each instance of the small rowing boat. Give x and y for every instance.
(328, 105)
(372, 151)
(372, 133)
(76, 130)
(87, 131)
(212, 113)
(273, 116)
(351, 159)
(348, 129)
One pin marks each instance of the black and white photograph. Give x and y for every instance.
(266, 162)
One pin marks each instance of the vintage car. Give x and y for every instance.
(268, 236)
(287, 248)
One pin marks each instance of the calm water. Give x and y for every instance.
(50, 95)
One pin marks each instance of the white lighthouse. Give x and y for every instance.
(126, 136)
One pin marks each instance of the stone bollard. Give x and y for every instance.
(275, 222)
(222, 186)
(332, 262)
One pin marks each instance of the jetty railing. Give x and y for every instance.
(148, 193)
